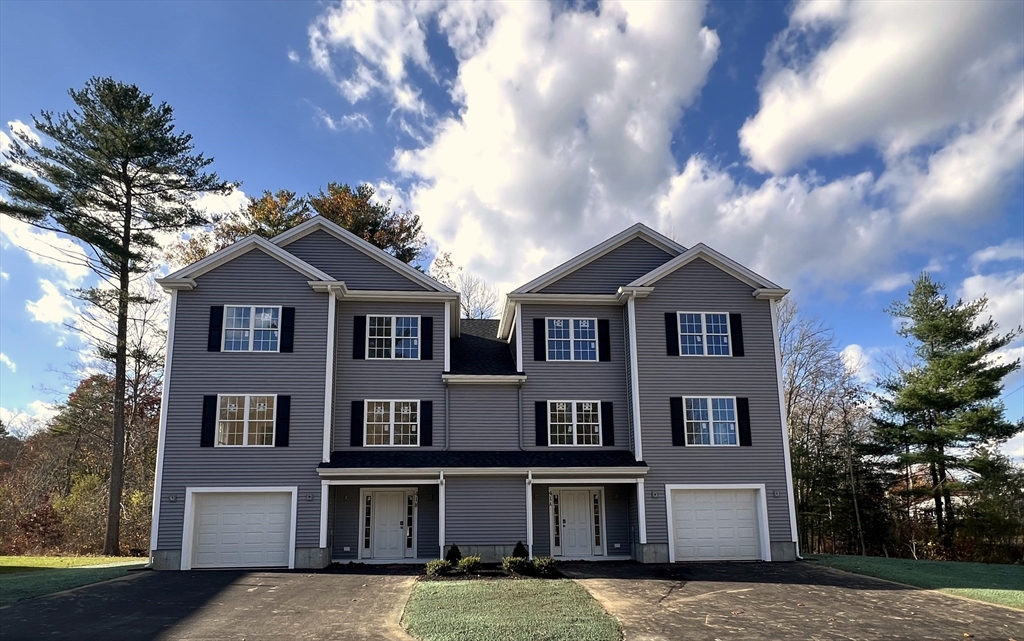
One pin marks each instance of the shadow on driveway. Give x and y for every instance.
(755, 601)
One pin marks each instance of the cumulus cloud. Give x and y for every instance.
(1012, 249)
(8, 362)
(30, 418)
(53, 307)
(57, 253)
(860, 362)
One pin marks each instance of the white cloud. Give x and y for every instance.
(8, 362)
(890, 283)
(860, 362)
(893, 74)
(293, 56)
(353, 122)
(218, 205)
(5, 276)
(1005, 293)
(1012, 249)
(57, 253)
(31, 418)
(53, 307)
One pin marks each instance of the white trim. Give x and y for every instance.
(519, 338)
(704, 333)
(171, 284)
(641, 510)
(700, 250)
(370, 481)
(440, 512)
(393, 338)
(767, 293)
(711, 422)
(447, 336)
(599, 489)
(762, 515)
(634, 380)
(529, 515)
(575, 424)
(589, 480)
(572, 340)
(324, 494)
(370, 472)
(245, 422)
(391, 432)
(344, 235)
(407, 491)
(639, 230)
(484, 379)
(231, 252)
(342, 292)
(187, 529)
(773, 305)
(251, 329)
(161, 444)
(329, 376)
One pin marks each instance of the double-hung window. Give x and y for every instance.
(245, 420)
(710, 420)
(572, 339)
(704, 334)
(252, 329)
(394, 423)
(574, 422)
(393, 337)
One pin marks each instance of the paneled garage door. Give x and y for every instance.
(247, 529)
(716, 525)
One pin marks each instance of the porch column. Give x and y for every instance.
(440, 514)
(529, 514)
(324, 492)
(641, 511)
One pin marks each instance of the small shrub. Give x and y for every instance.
(454, 555)
(515, 565)
(544, 565)
(438, 567)
(469, 564)
(520, 551)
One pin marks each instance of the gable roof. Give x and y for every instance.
(247, 244)
(478, 352)
(638, 230)
(319, 223)
(723, 262)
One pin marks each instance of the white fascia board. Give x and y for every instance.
(369, 472)
(766, 293)
(344, 235)
(638, 230)
(483, 379)
(717, 259)
(231, 252)
(507, 319)
(567, 299)
(172, 284)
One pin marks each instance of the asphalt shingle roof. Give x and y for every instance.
(479, 351)
(372, 458)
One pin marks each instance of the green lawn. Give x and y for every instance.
(25, 577)
(1000, 584)
(507, 610)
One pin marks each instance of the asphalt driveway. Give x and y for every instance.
(752, 601)
(364, 603)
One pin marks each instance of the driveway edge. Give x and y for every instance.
(127, 577)
(394, 624)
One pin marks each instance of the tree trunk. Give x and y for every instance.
(937, 496)
(948, 532)
(853, 495)
(112, 541)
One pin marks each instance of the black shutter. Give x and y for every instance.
(282, 424)
(743, 420)
(426, 423)
(209, 430)
(678, 432)
(287, 329)
(604, 340)
(356, 432)
(359, 339)
(540, 410)
(540, 348)
(672, 333)
(427, 338)
(736, 329)
(216, 328)
(607, 424)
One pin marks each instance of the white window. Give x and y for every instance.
(572, 339)
(393, 337)
(392, 423)
(710, 420)
(703, 334)
(252, 329)
(574, 422)
(245, 420)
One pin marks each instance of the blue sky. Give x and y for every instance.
(838, 148)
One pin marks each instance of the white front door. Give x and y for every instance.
(389, 525)
(577, 523)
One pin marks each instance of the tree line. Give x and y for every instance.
(907, 465)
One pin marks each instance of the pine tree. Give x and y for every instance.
(939, 412)
(116, 175)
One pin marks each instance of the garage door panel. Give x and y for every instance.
(242, 529)
(715, 525)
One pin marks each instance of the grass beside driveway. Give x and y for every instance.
(507, 610)
(993, 583)
(26, 577)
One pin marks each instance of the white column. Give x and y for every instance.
(161, 443)
(529, 514)
(641, 511)
(324, 494)
(519, 337)
(329, 376)
(774, 306)
(440, 514)
(447, 336)
(634, 378)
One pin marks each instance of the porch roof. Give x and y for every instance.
(566, 459)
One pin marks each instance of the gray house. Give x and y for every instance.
(324, 402)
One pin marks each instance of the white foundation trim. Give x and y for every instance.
(762, 514)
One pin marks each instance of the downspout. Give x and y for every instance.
(519, 391)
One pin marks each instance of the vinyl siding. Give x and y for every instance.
(619, 517)
(346, 521)
(575, 380)
(700, 286)
(485, 510)
(609, 272)
(346, 263)
(196, 372)
(484, 417)
(386, 379)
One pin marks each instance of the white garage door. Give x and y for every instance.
(247, 529)
(715, 525)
